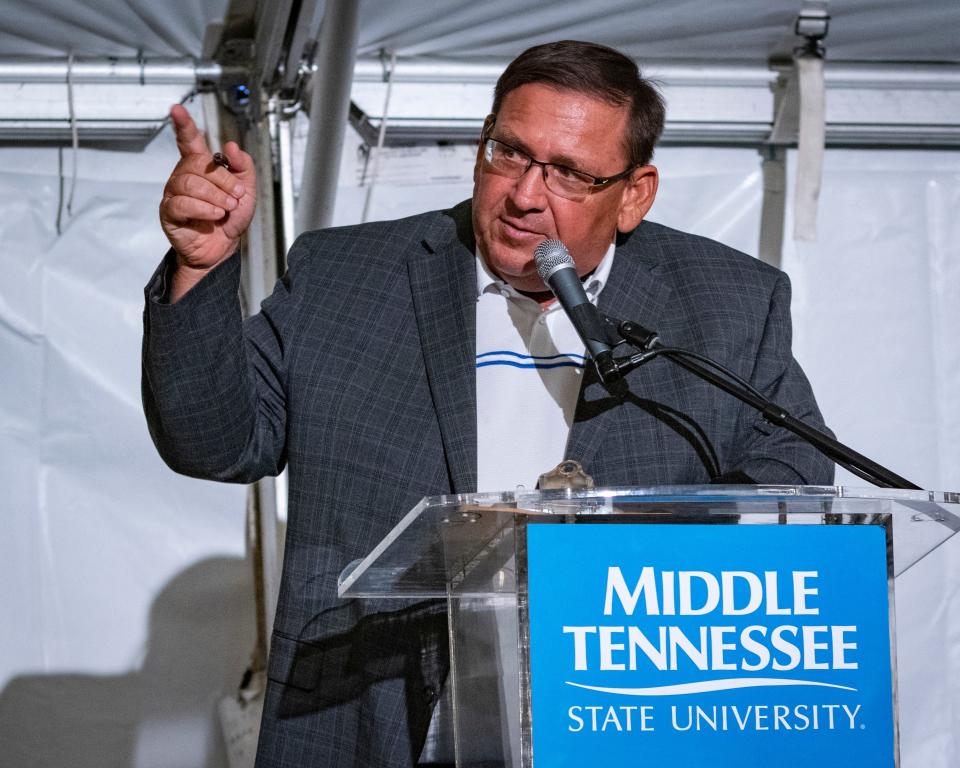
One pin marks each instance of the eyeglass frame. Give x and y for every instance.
(598, 183)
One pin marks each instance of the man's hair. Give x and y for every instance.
(601, 72)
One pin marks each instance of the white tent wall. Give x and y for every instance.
(127, 598)
(876, 310)
(876, 315)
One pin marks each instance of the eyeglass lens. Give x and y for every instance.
(515, 163)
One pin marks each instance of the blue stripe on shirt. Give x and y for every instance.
(512, 364)
(530, 357)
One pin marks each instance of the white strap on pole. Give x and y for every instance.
(774, 206)
(210, 109)
(381, 138)
(810, 144)
(812, 24)
(74, 134)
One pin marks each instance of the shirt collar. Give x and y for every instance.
(592, 284)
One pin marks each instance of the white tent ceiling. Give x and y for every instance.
(713, 59)
(105, 27)
(746, 30)
(651, 29)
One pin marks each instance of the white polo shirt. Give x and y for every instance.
(530, 364)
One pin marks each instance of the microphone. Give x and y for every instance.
(559, 273)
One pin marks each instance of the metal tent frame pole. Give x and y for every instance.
(330, 88)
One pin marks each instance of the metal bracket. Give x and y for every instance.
(567, 475)
(812, 25)
(298, 97)
(387, 63)
(236, 57)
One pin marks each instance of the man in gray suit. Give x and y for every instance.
(361, 373)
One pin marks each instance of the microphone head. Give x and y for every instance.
(550, 256)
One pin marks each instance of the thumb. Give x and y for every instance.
(241, 164)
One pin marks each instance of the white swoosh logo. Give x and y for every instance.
(707, 686)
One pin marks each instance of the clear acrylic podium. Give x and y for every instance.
(471, 550)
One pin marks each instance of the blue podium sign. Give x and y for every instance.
(710, 645)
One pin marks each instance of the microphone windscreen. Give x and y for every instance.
(550, 255)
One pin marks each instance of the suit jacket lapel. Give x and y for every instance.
(633, 291)
(444, 287)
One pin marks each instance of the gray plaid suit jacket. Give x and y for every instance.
(359, 375)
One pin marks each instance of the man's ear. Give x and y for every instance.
(476, 165)
(641, 189)
(487, 126)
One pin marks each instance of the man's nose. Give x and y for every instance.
(529, 191)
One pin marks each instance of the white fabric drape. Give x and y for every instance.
(125, 597)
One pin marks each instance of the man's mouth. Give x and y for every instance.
(520, 233)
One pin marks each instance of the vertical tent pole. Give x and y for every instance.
(329, 108)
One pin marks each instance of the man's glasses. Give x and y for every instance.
(505, 160)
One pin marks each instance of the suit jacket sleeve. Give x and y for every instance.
(213, 386)
(769, 454)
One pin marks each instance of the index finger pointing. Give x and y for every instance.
(189, 139)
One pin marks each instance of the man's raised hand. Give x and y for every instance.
(205, 207)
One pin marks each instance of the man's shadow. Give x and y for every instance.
(202, 631)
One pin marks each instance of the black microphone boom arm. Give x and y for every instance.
(648, 343)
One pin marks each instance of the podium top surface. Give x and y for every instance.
(464, 544)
